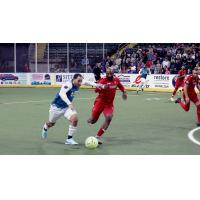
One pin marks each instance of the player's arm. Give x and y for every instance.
(180, 75)
(89, 83)
(198, 87)
(122, 89)
(185, 91)
(64, 89)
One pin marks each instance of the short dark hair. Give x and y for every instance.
(77, 75)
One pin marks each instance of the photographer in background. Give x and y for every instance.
(97, 71)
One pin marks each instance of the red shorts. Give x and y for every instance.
(179, 83)
(192, 96)
(100, 107)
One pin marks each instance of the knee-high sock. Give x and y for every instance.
(100, 132)
(45, 127)
(185, 107)
(140, 86)
(198, 113)
(174, 92)
(72, 130)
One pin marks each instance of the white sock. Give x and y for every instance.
(72, 131)
(45, 126)
(140, 87)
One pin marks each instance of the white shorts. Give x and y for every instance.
(143, 80)
(55, 113)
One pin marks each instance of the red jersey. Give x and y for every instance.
(107, 95)
(191, 82)
(181, 73)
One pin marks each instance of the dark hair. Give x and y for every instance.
(77, 75)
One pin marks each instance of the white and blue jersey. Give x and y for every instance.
(144, 72)
(66, 95)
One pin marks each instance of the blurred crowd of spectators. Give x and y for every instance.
(160, 58)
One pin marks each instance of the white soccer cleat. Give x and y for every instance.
(172, 99)
(71, 141)
(44, 134)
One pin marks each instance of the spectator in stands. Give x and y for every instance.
(97, 71)
(157, 68)
(166, 63)
(115, 67)
(167, 70)
(26, 68)
(89, 69)
(118, 61)
(85, 61)
(123, 69)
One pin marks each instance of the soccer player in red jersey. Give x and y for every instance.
(179, 81)
(189, 93)
(104, 101)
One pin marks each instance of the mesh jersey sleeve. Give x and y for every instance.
(64, 89)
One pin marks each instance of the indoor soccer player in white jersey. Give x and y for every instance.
(62, 106)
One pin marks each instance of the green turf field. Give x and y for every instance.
(145, 124)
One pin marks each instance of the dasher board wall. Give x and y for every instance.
(154, 82)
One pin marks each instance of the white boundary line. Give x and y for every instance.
(81, 98)
(24, 102)
(191, 135)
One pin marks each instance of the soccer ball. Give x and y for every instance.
(91, 142)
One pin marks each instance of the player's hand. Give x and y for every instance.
(124, 96)
(100, 86)
(71, 106)
(187, 100)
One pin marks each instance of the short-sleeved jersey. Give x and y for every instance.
(70, 89)
(191, 82)
(144, 72)
(181, 73)
(107, 95)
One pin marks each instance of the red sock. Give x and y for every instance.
(100, 132)
(198, 113)
(174, 92)
(186, 107)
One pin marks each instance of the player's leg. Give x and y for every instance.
(183, 104)
(108, 113)
(194, 98)
(96, 112)
(144, 84)
(72, 116)
(54, 114)
(175, 90)
(140, 87)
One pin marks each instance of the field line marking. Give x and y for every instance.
(24, 102)
(191, 136)
(39, 101)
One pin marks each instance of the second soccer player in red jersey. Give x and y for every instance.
(179, 81)
(104, 101)
(189, 93)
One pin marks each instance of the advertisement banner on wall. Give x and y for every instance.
(61, 78)
(158, 82)
(154, 81)
(13, 79)
(40, 79)
(125, 79)
(161, 81)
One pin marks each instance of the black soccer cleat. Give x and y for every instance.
(178, 100)
(198, 123)
(99, 140)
